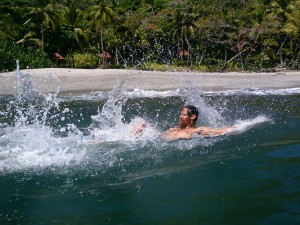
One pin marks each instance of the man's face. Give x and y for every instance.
(184, 119)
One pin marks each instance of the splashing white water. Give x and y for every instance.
(108, 125)
(207, 115)
(138, 129)
(111, 113)
(36, 147)
(29, 143)
(244, 125)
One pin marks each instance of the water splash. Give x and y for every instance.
(36, 148)
(111, 113)
(207, 114)
(109, 124)
(28, 106)
(244, 125)
(28, 138)
(26, 91)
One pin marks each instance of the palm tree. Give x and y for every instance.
(30, 38)
(283, 18)
(43, 17)
(102, 14)
(10, 18)
(71, 17)
(291, 29)
(183, 26)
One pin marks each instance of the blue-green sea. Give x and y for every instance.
(76, 160)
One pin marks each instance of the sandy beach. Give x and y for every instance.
(79, 81)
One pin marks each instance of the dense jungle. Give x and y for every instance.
(202, 35)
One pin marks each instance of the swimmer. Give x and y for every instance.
(186, 130)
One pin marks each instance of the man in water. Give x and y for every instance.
(187, 120)
(186, 130)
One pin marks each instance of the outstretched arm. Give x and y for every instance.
(213, 131)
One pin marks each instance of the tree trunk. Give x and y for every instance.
(202, 57)
(124, 60)
(280, 51)
(225, 56)
(102, 47)
(42, 31)
(72, 58)
(99, 53)
(241, 52)
(116, 57)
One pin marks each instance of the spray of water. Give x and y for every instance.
(109, 125)
(111, 113)
(28, 139)
(207, 115)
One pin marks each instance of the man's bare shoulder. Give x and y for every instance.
(174, 128)
(177, 133)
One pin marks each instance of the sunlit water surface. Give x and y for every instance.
(77, 160)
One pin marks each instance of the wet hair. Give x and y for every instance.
(192, 110)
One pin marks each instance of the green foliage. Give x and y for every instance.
(30, 57)
(153, 66)
(85, 60)
(158, 67)
(9, 3)
(227, 34)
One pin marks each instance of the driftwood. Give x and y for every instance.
(237, 55)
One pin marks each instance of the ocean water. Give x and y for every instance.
(77, 160)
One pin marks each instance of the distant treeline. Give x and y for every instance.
(207, 35)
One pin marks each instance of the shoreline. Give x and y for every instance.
(79, 81)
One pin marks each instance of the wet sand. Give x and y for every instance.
(79, 81)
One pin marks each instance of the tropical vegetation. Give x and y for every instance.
(206, 35)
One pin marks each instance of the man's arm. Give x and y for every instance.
(213, 131)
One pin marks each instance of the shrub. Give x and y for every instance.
(29, 57)
(85, 60)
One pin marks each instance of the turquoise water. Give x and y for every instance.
(75, 160)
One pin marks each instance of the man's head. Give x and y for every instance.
(188, 116)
